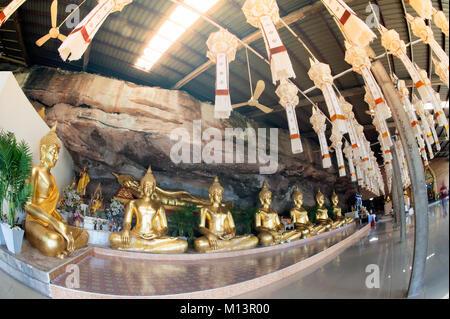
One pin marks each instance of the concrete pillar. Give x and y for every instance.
(397, 187)
(416, 173)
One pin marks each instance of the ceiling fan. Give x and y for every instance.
(260, 86)
(53, 33)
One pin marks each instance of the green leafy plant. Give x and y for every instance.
(312, 211)
(15, 172)
(243, 219)
(184, 222)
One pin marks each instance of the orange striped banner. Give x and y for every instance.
(325, 156)
(418, 84)
(385, 134)
(379, 100)
(355, 146)
(414, 123)
(337, 116)
(294, 136)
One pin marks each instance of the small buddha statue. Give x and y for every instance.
(299, 217)
(44, 227)
(149, 233)
(322, 218)
(267, 223)
(217, 226)
(340, 220)
(83, 181)
(96, 200)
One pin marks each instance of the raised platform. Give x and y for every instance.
(107, 273)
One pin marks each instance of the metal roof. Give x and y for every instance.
(124, 35)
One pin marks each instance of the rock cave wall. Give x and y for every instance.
(117, 126)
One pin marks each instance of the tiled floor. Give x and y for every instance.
(345, 275)
(131, 277)
(342, 277)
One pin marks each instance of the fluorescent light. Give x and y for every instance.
(176, 24)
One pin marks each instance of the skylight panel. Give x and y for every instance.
(176, 24)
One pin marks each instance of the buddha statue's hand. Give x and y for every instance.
(70, 243)
(125, 236)
(213, 241)
(227, 236)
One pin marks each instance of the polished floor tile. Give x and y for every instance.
(345, 276)
(131, 277)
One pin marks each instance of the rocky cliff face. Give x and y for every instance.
(117, 126)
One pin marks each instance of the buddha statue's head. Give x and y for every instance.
(320, 198)
(265, 195)
(334, 198)
(49, 148)
(148, 183)
(297, 197)
(215, 191)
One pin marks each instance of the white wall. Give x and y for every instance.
(17, 115)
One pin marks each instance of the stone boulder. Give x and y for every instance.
(117, 126)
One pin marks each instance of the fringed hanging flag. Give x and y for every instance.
(421, 30)
(320, 74)
(363, 151)
(263, 14)
(423, 7)
(358, 59)
(384, 149)
(427, 134)
(318, 123)
(79, 39)
(435, 101)
(441, 21)
(347, 108)
(359, 175)
(441, 71)
(378, 117)
(349, 156)
(222, 46)
(287, 92)
(336, 144)
(402, 161)
(431, 123)
(404, 95)
(392, 42)
(354, 29)
(9, 10)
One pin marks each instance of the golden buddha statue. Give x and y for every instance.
(96, 200)
(83, 181)
(44, 227)
(148, 234)
(267, 223)
(322, 218)
(170, 199)
(340, 220)
(299, 217)
(217, 226)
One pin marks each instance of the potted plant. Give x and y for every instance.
(184, 222)
(15, 172)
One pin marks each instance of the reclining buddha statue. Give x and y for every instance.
(45, 229)
(170, 199)
(268, 225)
(149, 233)
(217, 226)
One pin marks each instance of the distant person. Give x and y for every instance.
(443, 196)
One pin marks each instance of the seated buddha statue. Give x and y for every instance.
(322, 218)
(267, 223)
(217, 226)
(96, 200)
(149, 233)
(45, 229)
(299, 217)
(338, 217)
